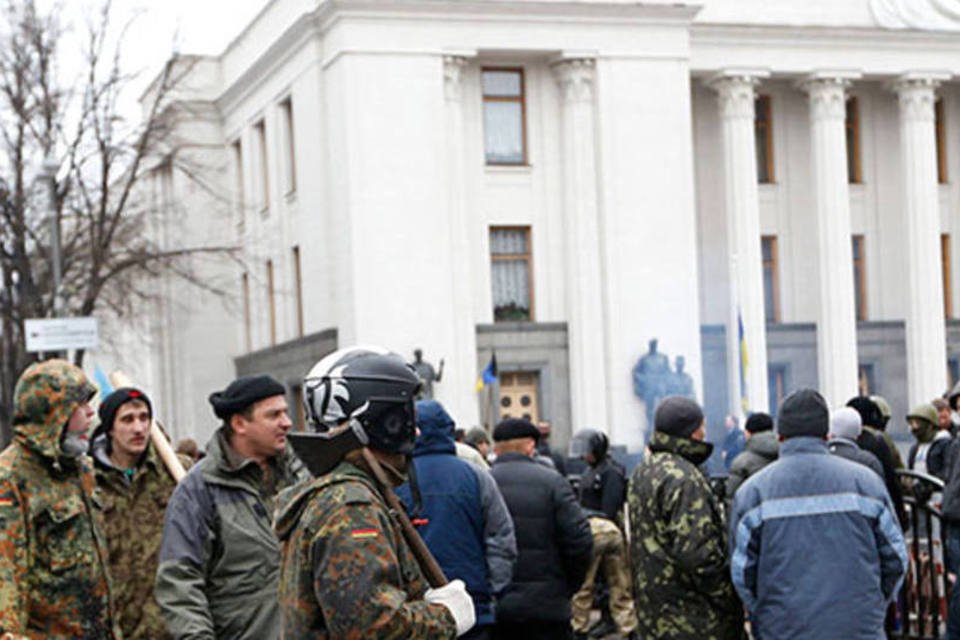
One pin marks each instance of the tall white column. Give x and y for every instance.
(735, 90)
(460, 372)
(836, 320)
(926, 334)
(585, 297)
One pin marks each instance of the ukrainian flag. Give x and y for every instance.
(489, 373)
(744, 400)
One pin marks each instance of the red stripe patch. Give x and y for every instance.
(6, 502)
(364, 533)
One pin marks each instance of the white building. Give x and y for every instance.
(563, 180)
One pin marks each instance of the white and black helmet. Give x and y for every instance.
(368, 384)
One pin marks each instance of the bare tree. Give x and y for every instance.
(103, 168)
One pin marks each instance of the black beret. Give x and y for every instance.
(512, 428)
(803, 413)
(243, 392)
(678, 416)
(758, 422)
(112, 403)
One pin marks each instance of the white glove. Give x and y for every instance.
(454, 597)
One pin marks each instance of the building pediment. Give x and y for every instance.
(926, 15)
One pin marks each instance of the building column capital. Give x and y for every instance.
(736, 90)
(827, 93)
(575, 77)
(453, 65)
(916, 93)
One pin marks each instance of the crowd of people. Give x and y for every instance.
(383, 520)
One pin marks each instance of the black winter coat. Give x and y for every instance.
(603, 489)
(554, 542)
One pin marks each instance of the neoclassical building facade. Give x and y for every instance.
(770, 189)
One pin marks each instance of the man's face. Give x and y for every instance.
(943, 417)
(266, 430)
(483, 448)
(700, 433)
(80, 419)
(131, 428)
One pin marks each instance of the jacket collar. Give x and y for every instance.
(512, 456)
(695, 451)
(803, 444)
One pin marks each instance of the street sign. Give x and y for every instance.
(59, 334)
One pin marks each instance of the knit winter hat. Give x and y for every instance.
(678, 416)
(243, 392)
(845, 423)
(803, 413)
(112, 403)
(758, 422)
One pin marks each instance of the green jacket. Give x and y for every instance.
(219, 559)
(53, 556)
(678, 547)
(347, 571)
(133, 507)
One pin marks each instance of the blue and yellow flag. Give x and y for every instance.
(489, 373)
(742, 341)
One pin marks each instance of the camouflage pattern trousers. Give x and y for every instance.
(610, 556)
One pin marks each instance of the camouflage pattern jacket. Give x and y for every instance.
(53, 572)
(678, 547)
(133, 507)
(347, 573)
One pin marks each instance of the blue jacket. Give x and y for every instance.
(816, 551)
(463, 519)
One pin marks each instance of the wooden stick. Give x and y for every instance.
(169, 457)
(428, 564)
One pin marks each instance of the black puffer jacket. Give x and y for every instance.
(553, 540)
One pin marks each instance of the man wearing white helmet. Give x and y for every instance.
(347, 571)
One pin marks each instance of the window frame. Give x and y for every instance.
(236, 148)
(247, 320)
(945, 271)
(298, 288)
(260, 131)
(522, 99)
(774, 264)
(852, 132)
(764, 103)
(286, 115)
(859, 275)
(515, 257)
(271, 303)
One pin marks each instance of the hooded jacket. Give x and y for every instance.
(850, 450)
(53, 556)
(762, 448)
(219, 558)
(463, 518)
(682, 584)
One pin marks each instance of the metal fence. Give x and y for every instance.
(921, 609)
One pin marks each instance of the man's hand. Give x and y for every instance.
(454, 597)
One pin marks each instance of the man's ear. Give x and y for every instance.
(238, 423)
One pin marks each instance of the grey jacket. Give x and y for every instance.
(851, 451)
(762, 449)
(220, 559)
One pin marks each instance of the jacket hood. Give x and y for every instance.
(436, 429)
(764, 444)
(695, 451)
(45, 397)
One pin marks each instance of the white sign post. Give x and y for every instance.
(60, 334)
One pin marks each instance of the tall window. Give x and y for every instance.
(247, 329)
(238, 176)
(511, 273)
(260, 130)
(271, 303)
(504, 115)
(945, 270)
(859, 278)
(286, 112)
(298, 289)
(867, 379)
(763, 125)
(854, 173)
(771, 278)
(941, 128)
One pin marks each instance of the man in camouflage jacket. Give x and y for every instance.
(53, 572)
(133, 487)
(347, 572)
(678, 544)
